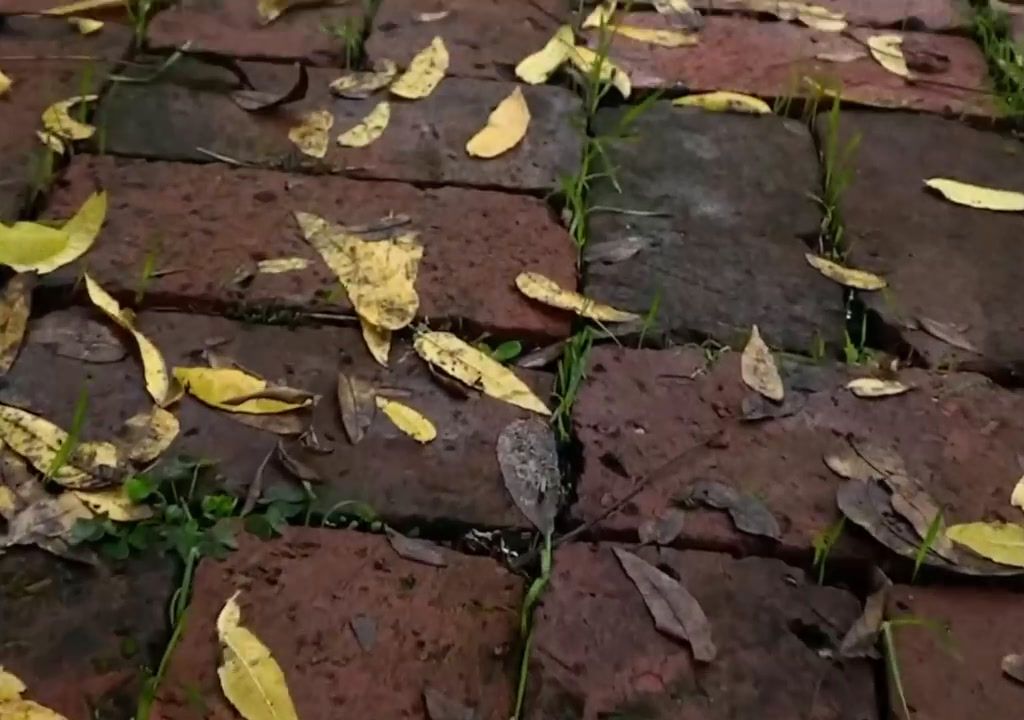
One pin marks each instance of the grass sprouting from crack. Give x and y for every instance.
(837, 172)
(823, 543)
(67, 448)
(351, 32)
(991, 29)
(533, 594)
(927, 543)
(572, 369)
(892, 664)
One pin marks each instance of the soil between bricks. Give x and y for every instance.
(450, 629)
(597, 652)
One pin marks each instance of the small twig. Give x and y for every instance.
(223, 158)
(256, 486)
(625, 211)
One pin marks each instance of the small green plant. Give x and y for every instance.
(351, 32)
(504, 352)
(855, 349)
(837, 162)
(67, 448)
(140, 12)
(533, 595)
(927, 544)
(823, 543)
(572, 369)
(991, 29)
(819, 348)
(650, 318)
(892, 665)
(148, 268)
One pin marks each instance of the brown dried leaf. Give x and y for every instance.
(616, 251)
(357, 401)
(15, 307)
(664, 529)
(146, 435)
(364, 628)
(441, 707)
(948, 333)
(75, 336)
(860, 639)
(675, 611)
(421, 551)
(542, 357)
(1013, 666)
(298, 469)
(748, 514)
(757, 407)
(758, 369)
(286, 423)
(849, 465)
(282, 393)
(528, 458)
(256, 100)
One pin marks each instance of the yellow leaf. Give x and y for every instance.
(664, 38)
(51, 141)
(584, 59)
(601, 15)
(15, 306)
(311, 134)
(1000, 542)
(758, 369)
(365, 83)
(378, 341)
(146, 435)
(467, 364)
(86, 26)
(379, 276)
(887, 50)
(270, 10)
(725, 101)
(38, 441)
(250, 677)
(506, 127)
(115, 504)
(11, 686)
(83, 5)
(58, 121)
(875, 387)
(1017, 496)
(424, 73)
(158, 383)
(409, 421)
(537, 68)
(27, 246)
(369, 128)
(820, 18)
(977, 196)
(673, 7)
(860, 279)
(217, 386)
(13, 707)
(543, 289)
(5, 83)
(275, 266)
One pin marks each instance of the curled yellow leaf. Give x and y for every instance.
(409, 421)
(51, 141)
(14, 707)
(977, 196)
(58, 121)
(651, 36)
(377, 339)
(5, 84)
(725, 101)
(506, 127)
(758, 368)
(146, 435)
(85, 26)
(876, 387)
(360, 84)
(11, 686)
(587, 61)
(600, 15)
(820, 18)
(369, 128)
(887, 50)
(1000, 542)
(859, 279)
(425, 72)
(311, 134)
(1017, 496)
(543, 289)
(33, 247)
(220, 387)
(537, 68)
(115, 504)
(275, 266)
(82, 6)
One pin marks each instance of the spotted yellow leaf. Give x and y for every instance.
(506, 127)
(465, 363)
(275, 266)
(537, 68)
(360, 84)
(977, 196)
(425, 72)
(158, 382)
(33, 247)
(545, 290)
(369, 128)
(219, 387)
(146, 435)
(311, 134)
(587, 61)
(409, 421)
(859, 279)
(5, 84)
(115, 504)
(887, 50)
(758, 368)
(15, 306)
(82, 6)
(249, 675)
(725, 101)
(57, 119)
(651, 36)
(378, 341)
(876, 387)
(1000, 542)
(85, 26)
(14, 707)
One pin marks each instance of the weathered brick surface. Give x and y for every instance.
(772, 58)
(79, 636)
(456, 477)
(485, 38)
(187, 217)
(935, 15)
(424, 142)
(957, 676)
(727, 238)
(957, 433)
(449, 629)
(597, 653)
(233, 27)
(945, 262)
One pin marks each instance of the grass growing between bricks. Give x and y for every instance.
(991, 30)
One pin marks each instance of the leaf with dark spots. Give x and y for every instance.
(357, 404)
(664, 529)
(862, 636)
(15, 307)
(756, 407)
(421, 551)
(74, 336)
(615, 251)
(364, 628)
(298, 469)
(257, 100)
(451, 386)
(441, 707)
(528, 458)
(675, 611)
(748, 514)
(1013, 666)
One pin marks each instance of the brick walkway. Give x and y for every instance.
(721, 209)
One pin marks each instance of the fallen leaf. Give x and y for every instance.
(545, 290)
(851, 466)
(51, 141)
(77, 337)
(1000, 542)
(429, 17)
(876, 387)
(295, 467)
(586, 60)
(357, 403)
(725, 101)
(14, 707)
(146, 435)
(378, 341)
(270, 10)
(409, 421)
(663, 529)
(425, 72)
(365, 630)
(84, 5)
(600, 15)
(859, 641)
(276, 266)
(859, 279)
(32, 247)
(977, 196)
(887, 51)
(5, 84)
(673, 7)
(662, 38)
(15, 307)
(220, 387)
(256, 100)
(841, 56)
(311, 134)
(1013, 666)
(114, 504)
(369, 128)
(249, 675)
(537, 68)
(57, 119)
(528, 458)
(506, 127)
(1017, 496)
(85, 26)
(285, 394)
(756, 407)
(748, 514)
(820, 18)
(464, 362)
(615, 251)
(421, 551)
(758, 369)
(675, 611)
(158, 382)
(947, 333)
(293, 422)
(11, 687)
(441, 707)
(358, 85)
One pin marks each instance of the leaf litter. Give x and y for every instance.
(311, 135)
(412, 422)
(295, 467)
(748, 514)
(859, 641)
(14, 707)
(1013, 666)
(876, 387)
(58, 123)
(543, 289)
(664, 529)
(33, 247)
(506, 127)
(369, 129)
(949, 333)
(887, 50)
(234, 390)
(78, 337)
(758, 368)
(15, 307)
(425, 72)
(1000, 542)
(441, 707)
(259, 100)
(146, 436)
(850, 277)
(539, 66)
(586, 60)
(415, 549)
(725, 101)
(357, 404)
(977, 196)
(357, 85)
(528, 458)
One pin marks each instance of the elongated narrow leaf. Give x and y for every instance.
(357, 404)
(421, 551)
(859, 279)
(114, 504)
(222, 387)
(410, 421)
(369, 129)
(425, 72)
(32, 247)
(1001, 542)
(977, 196)
(145, 436)
(15, 307)
(725, 101)
(876, 388)
(545, 290)
(538, 67)
(82, 6)
(5, 84)
(748, 513)
(887, 50)
(758, 369)
(587, 61)
(660, 37)
(528, 458)
(506, 127)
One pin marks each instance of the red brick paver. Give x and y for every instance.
(934, 15)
